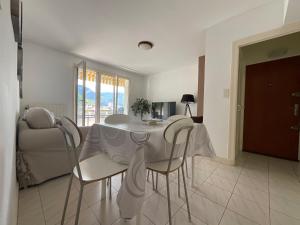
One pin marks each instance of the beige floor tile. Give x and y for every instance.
(149, 190)
(30, 207)
(230, 169)
(253, 183)
(86, 217)
(206, 165)
(232, 218)
(250, 209)
(174, 193)
(54, 214)
(29, 201)
(181, 218)
(156, 209)
(206, 210)
(252, 194)
(227, 174)
(290, 193)
(214, 193)
(255, 173)
(145, 221)
(285, 206)
(201, 176)
(278, 218)
(106, 211)
(53, 205)
(92, 193)
(36, 218)
(221, 182)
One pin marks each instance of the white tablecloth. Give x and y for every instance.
(124, 144)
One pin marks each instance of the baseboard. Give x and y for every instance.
(224, 161)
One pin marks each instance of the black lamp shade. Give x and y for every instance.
(187, 98)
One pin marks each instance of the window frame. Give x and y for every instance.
(99, 73)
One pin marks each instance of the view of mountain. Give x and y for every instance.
(106, 97)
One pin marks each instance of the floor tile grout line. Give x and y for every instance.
(243, 167)
(42, 205)
(18, 206)
(270, 166)
(230, 197)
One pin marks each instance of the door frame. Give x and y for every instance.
(234, 120)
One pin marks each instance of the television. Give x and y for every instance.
(163, 110)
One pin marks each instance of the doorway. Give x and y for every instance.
(271, 111)
(267, 116)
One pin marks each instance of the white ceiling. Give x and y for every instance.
(108, 31)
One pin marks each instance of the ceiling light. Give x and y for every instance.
(145, 45)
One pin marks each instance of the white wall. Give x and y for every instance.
(171, 85)
(9, 106)
(48, 77)
(219, 47)
(292, 11)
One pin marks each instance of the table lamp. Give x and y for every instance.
(187, 99)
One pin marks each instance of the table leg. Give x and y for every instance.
(193, 171)
(103, 189)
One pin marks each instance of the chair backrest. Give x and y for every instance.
(73, 139)
(117, 119)
(178, 133)
(176, 117)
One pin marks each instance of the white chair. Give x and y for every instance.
(90, 170)
(172, 119)
(116, 119)
(177, 132)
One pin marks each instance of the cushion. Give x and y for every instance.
(39, 118)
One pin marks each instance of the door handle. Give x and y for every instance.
(296, 128)
(296, 109)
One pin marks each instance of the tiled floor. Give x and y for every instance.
(259, 190)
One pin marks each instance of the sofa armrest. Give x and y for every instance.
(43, 139)
(40, 139)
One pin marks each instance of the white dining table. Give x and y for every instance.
(137, 143)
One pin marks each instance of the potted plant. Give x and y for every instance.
(141, 106)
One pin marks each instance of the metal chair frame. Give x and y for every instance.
(166, 173)
(71, 147)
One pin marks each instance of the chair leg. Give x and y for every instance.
(79, 204)
(122, 177)
(152, 180)
(178, 182)
(148, 174)
(67, 200)
(186, 168)
(109, 188)
(186, 194)
(156, 181)
(169, 200)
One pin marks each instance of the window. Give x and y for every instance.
(99, 95)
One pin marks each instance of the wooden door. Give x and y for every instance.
(271, 116)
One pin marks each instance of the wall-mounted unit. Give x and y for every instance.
(17, 22)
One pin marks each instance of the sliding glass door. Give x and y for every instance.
(122, 95)
(80, 93)
(113, 95)
(86, 96)
(99, 95)
(107, 96)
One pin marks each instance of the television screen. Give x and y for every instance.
(163, 110)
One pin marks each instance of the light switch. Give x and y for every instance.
(226, 93)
